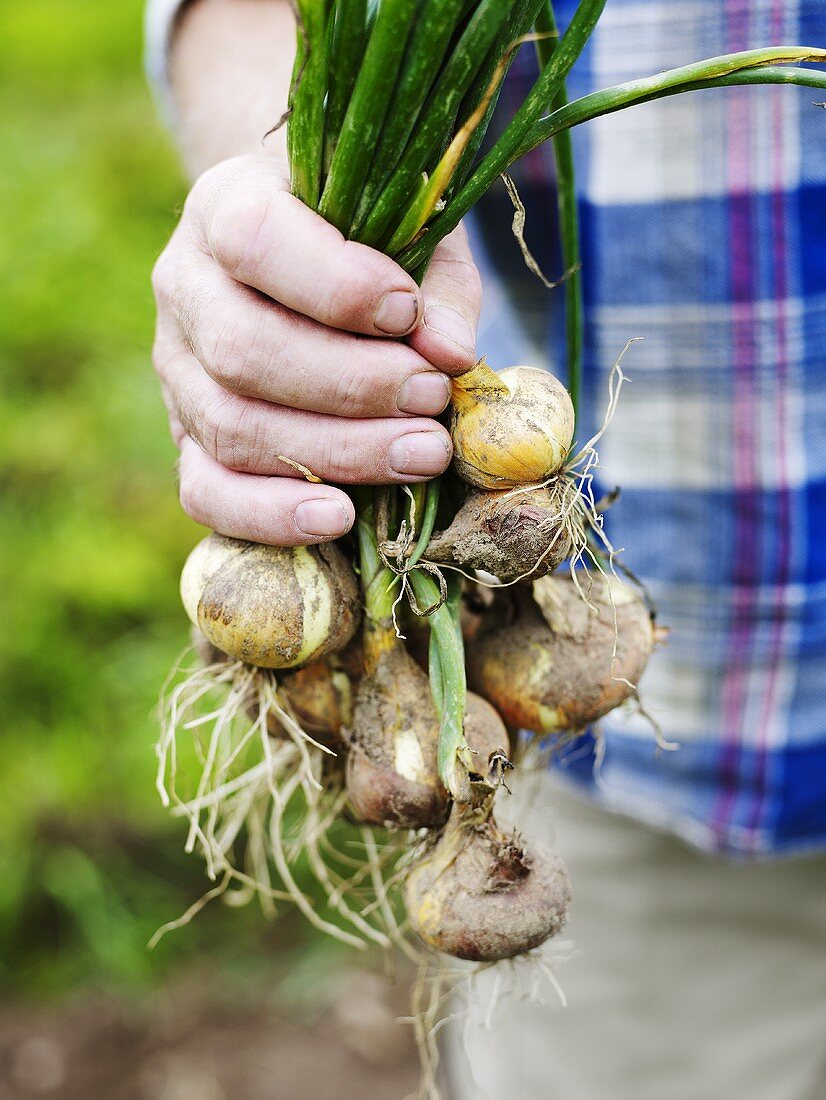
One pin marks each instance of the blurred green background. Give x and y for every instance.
(91, 538)
(91, 544)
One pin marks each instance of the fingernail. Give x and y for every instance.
(321, 517)
(449, 322)
(422, 454)
(397, 313)
(425, 394)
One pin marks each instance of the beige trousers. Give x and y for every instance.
(691, 978)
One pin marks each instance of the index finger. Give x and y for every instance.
(267, 239)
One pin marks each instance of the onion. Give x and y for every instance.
(392, 773)
(320, 694)
(510, 534)
(270, 606)
(206, 652)
(320, 697)
(552, 667)
(512, 428)
(480, 894)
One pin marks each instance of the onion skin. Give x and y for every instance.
(510, 535)
(392, 774)
(480, 895)
(549, 669)
(485, 732)
(511, 428)
(207, 653)
(321, 698)
(270, 606)
(322, 695)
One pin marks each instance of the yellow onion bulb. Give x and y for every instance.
(510, 429)
(274, 607)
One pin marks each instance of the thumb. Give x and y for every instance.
(452, 292)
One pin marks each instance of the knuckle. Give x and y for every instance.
(192, 494)
(235, 234)
(260, 524)
(225, 352)
(189, 411)
(209, 426)
(338, 306)
(467, 281)
(206, 187)
(375, 269)
(244, 349)
(160, 358)
(355, 392)
(354, 277)
(176, 428)
(474, 283)
(334, 463)
(351, 295)
(234, 435)
(344, 459)
(162, 278)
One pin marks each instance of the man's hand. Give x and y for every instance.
(273, 347)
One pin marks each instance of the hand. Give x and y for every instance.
(277, 342)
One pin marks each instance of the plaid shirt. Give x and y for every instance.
(703, 231)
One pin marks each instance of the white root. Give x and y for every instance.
(191, 912)
(261, 803)
(446, 992)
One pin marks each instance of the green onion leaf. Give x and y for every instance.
(366, 112)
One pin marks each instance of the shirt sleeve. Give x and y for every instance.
(159, 23)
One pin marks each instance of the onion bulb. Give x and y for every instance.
(481, 894)
(511, 534)
(511, 428)
(392, 772)
(561, 663)
(320, 697)
(205, 651)
(270, 606)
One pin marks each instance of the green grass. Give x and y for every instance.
(91, 538)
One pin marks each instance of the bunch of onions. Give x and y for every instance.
(311, 704)
(276, 636)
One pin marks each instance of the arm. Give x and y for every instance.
(272, 336)
(230, 71)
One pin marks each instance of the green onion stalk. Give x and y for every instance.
(389, 104)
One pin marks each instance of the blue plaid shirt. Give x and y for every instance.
(703, 231)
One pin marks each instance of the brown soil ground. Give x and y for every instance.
(184, 1044)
